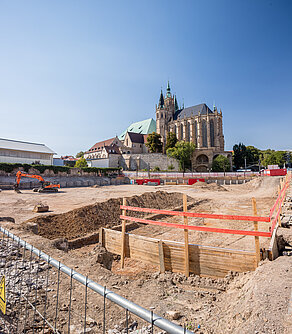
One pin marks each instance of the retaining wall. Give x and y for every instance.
(204, 260)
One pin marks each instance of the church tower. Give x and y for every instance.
(164, 113)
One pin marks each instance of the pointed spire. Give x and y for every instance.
(161, 100)
(183, 106)
(175, 103)
(168, 93)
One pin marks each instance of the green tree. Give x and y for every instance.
(252, 155)
(171, 140)
(154, 143)
(273, 158)
(221, 164)
(239, 154)
(81, 163)
(182, 152)
(80, 154)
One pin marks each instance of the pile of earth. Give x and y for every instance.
(209, 186)
(79, 222)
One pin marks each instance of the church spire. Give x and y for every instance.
(161, 100)
(168, 93)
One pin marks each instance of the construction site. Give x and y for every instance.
(200, 258)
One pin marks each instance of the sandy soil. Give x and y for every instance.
(254, 302)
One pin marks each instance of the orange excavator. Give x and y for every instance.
(46, 187)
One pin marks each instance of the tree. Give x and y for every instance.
(154, 143)
(239, 154)
(221, 164)
(80, 154)
(252, 155)
(171, 140)
(81, 163)
(273, 158)
(182, 152)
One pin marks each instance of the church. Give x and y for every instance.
(197, 124)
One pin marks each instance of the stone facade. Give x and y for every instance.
(146, 161)
(198, 124)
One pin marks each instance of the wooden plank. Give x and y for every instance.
(186, 235)
(161, 256)
(203, 260)
(256, 228)
(123, 236)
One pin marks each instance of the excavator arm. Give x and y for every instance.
(45, 186)
(20, 174)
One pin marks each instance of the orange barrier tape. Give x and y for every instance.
(197, 228)
(198, 215)
(278, 198)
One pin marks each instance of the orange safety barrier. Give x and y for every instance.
(197, 228)
(198, 215)
(279, 202)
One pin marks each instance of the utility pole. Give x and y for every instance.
(244, 163)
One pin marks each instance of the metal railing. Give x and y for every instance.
(40, 298)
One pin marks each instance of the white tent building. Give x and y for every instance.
(14, 151)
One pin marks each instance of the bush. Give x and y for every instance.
(8, 168)
(156, 169)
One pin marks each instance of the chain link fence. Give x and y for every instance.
(45, 296)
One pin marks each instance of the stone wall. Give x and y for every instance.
(146, 161)
(75, 178)
(7, 182)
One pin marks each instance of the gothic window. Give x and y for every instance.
(174, 130)
(188, 134)
(196, 133)
(181, 132)
(212, 133)
(204, 133)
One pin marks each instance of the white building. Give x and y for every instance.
(14, 151)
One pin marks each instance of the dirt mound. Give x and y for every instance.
(256, 302)
(79, 222)
(209, 186)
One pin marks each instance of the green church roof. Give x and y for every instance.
(144, 127)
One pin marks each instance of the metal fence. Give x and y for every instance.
(133, 174)
(45, 296)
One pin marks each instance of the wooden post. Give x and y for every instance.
(186, 233)
(101, 237)
(256, 228)
(161, 256)
(123, 236)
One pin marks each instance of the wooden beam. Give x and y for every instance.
(123, 236)
(161, 256)
(256, 228)
(186, 234)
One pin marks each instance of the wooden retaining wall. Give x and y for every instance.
(204, 260)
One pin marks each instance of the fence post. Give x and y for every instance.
(161, 256)
(123, 235)
(256, 228)
(186, 233)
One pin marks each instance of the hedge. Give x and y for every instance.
(8, 168)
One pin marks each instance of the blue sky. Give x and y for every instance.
(76, 72)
